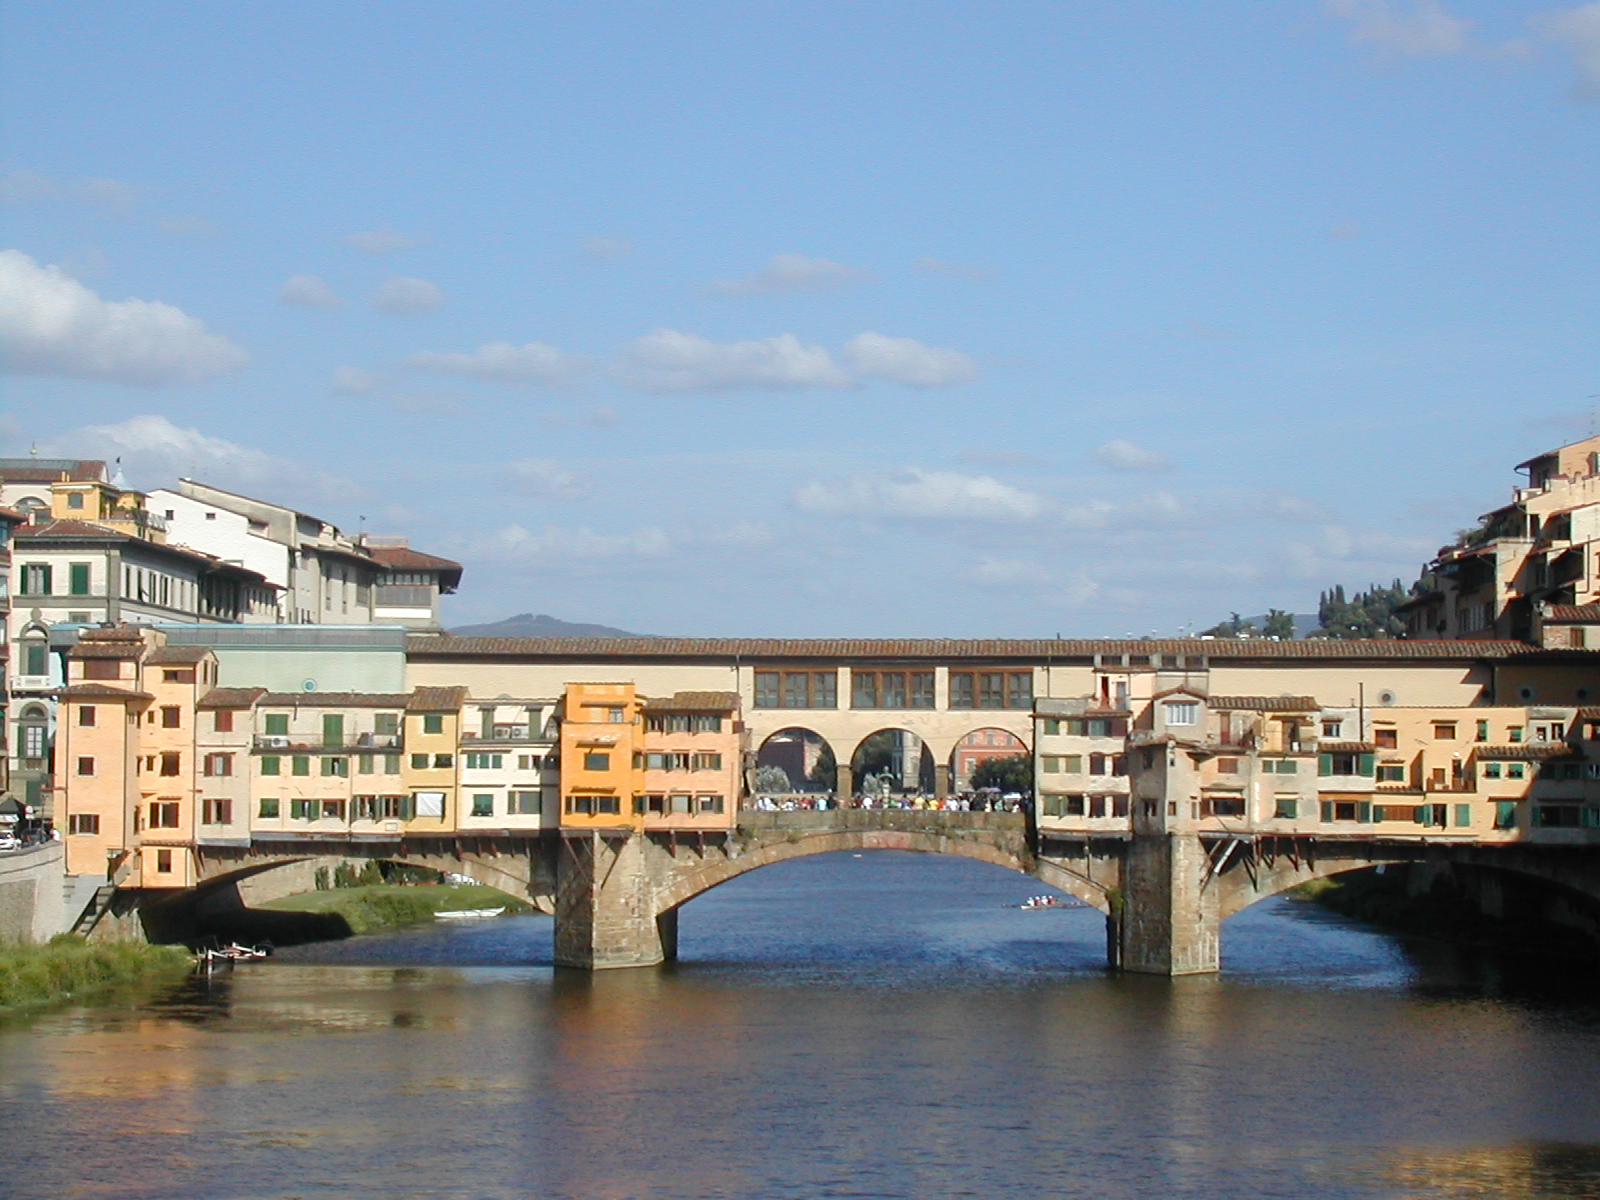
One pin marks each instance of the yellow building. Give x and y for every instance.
(602, 756)
(432, 733)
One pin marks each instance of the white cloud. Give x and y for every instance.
(353, 381)
(937, 266)
(379, 241)
(669, 361)
(792, 273)
(17, 186)
(1579, 30)
(1422, 29)
(545, 477)
(916, 493)
(113, 193)
(551, 543)
(406, 296)
(1126, 456)
(607, 247)
(50, 324)
(155, 452)
(531, 365)
(907, 361)
(307, 291)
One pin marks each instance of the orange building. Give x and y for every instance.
(602, 756)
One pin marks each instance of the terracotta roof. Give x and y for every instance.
(163, 655)
(1346, 747)
(332, 699)
(1560, 613)
(1589, 712)
(231, 697)
(106, 650)
(403, 558)
(1264, 704)
(695, 702)
(75, 469)
(116, 633)
(1179, 691)
(1526, 752)
(1031, 651)
(12, 516)
(103, 691)
(436, 699)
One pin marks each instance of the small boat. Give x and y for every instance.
(467, 914)
(1033, 902)
(233, 953)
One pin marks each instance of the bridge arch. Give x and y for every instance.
(805, 757)
(898, 757)
(509, 873)
(977, 746)
(701, 877)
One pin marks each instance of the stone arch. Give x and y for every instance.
(695, 880)
(901, 756)
(513, 874)
(799, 751)
(976, 745)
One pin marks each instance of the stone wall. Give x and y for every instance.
(32, 904)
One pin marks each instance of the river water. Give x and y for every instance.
(877, 1025)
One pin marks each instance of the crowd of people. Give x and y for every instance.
(981, 800)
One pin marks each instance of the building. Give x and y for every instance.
(694, 756)
(602, 756)
(1528, 570)
(409, 583)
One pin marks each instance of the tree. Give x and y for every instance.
(1279, 624)
(1014, 773)
(1234, 627)
(773, 780)
(1368, 614)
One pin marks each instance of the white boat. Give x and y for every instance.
(467, 914)
(1033, 902)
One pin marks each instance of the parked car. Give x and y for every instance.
(9, 841)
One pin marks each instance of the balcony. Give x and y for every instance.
(299, 743)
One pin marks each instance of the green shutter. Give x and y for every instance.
(1327, 810)
(332, 729)
(1364, 764)
(1364, 811)
(1463, 815)
(1324, 767)
(78, 579)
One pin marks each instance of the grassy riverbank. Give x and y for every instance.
(384, 905)
(69, 968)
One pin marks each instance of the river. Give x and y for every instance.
(877, 1025)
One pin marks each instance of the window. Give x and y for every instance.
(709, 804)
(84, 823)
(483, 805)
(163, 862)
(991, 689)
(1516, 770)
(222, 721)
(1483, 732)
(218, 764)
(1346, 764)
(86, 716)
(164, 814)
(1391, 774)
(270, 764)
(364, 764)
(481, 761)
(181, 675)
(268, 809)
(171, 715)
(1514, 733)
(302, 810)
(171, 762)
(36, 661)
(891, 689)
(1332, 729)
(216, 812)
(616, 716)
(1222, 806)
(391, 764)
(86, 766)
(36, 579)
(1505, 814)
(1227, 766)
(1386, 739)
(386, 724)
(1444, 731)
(797, 689)
(336, 767)
(78, 579)
(1463, 815)
(433, 723)
(441, 761)
(300, 764)
(706, 762)
(1286, 808)
(333, 810)
(276, 724)
(74, 499)
(1491, 770)
(594, 761)
(523, 804)
(332, 729)
(1181, 712)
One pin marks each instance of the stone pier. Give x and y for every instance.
(606, 911)
(1170, 916)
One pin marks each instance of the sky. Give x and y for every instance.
(817, 319)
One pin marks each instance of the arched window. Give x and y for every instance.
(32, 730)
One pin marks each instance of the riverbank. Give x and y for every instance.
(384, 906)
(70, 969)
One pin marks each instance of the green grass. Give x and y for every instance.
(367, 908)
(68, 968)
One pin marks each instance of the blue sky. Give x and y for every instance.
(810, 319)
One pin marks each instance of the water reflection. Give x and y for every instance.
(840, 1026)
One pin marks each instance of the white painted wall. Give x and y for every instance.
(220, 533)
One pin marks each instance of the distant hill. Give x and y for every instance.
(528, 625)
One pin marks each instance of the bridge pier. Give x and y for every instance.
(1170, 919)
(606, 904)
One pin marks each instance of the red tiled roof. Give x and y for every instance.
(695, 702)
(78, 469)
(1264, 704)
(1563, 613)
(1033, 651)
(1526, 752)
(268, 699)
(403, 558)
(187, 655)
(1346, 747)
(101, 691)
(436, 699)
(106, 650)
(230, 697)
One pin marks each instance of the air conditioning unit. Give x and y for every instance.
(275, 743)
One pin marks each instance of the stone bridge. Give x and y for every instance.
(615, 894)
